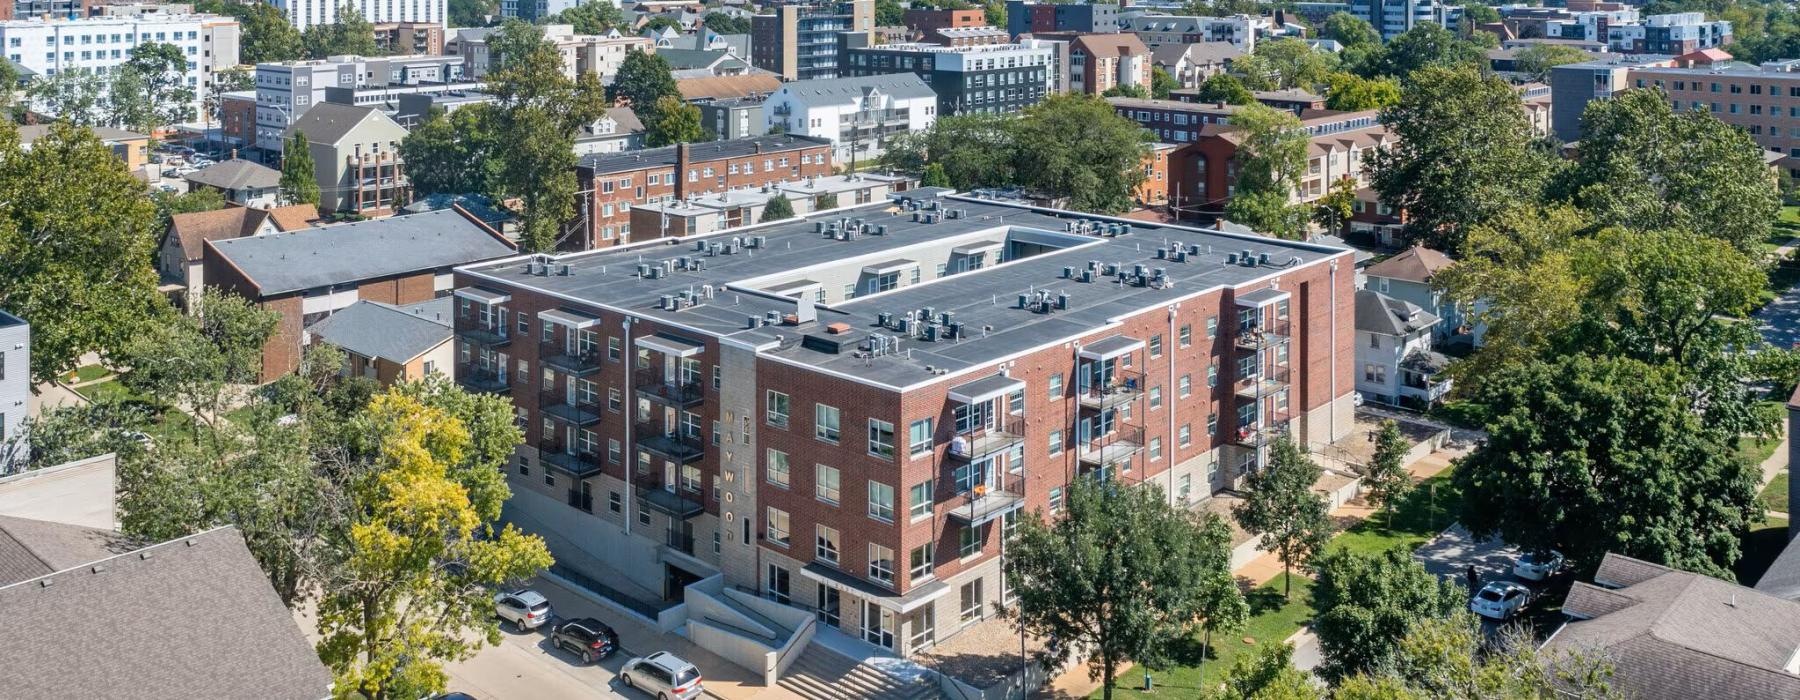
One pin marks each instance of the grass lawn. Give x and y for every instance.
(1415, 520)
(108, 388)
(1271, 619)
(88, 373)
(1756, 449)
(1761, 545)
(1775, 495)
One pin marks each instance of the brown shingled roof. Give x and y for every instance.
(727, 87)
(1417, 264)
(294, 217)
(1112, 44)
(194, 229)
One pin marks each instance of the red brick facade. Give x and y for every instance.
(614, 191)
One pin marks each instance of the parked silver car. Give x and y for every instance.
(1534, 566)
(662, 674)
(526, 609)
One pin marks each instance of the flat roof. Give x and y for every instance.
(747, 284)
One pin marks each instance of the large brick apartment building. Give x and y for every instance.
(848, 413)
(616, 182)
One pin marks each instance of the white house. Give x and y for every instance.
(856, 114)
(1394, 360)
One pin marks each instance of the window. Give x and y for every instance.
(1185, 385)
(612, 348)
(1156, 345)
(971, 601)
(613, 502)
(1186, 336)
(777, 406)
(1374, 373)
(778, 526)
(919, 564)
(918, 437)
(1056, 442)
(825, 483)
(1156, 397)
(1155, 448)
(1056, 495)
(918, 500)
(881, 501)
(1185, 435)
(1212, 326)
(614, 400)
(1212, 376)
(1056, 386)
(777, 468)
(969, 541)
(826, 550)
(1184, 487)
(881, 564)
(825, 422)
(881, 438)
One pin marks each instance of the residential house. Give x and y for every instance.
(1192, 64)
(733, 118)
(194, 617)
(183, 249)
(1674, 635)
(856, 114)
(704, 63)
(1410, 276)
(1339, 145)
(619, 129)
(1394, 355)
(750, 86)
(390, 343)
(356, 158)
(15, 390)
(240, 181)
(1098, 62)
(133, 149)
(409, 38)
(310, 274)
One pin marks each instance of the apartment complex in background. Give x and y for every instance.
(1024, 17)
(356, 157)
(305, 14)
(15, 390)
(600, 54)
(849, 413)
(286, 90)
(618, 182)
(857, 115)
(993, 79)
(1395, 17)
(1099, 62)
(46, 9)
(1156, 31)
(799, 39)
(410, 38)
(931, 20)
(45, 47)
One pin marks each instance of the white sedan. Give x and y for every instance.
(1536, 566)
(1500, 600)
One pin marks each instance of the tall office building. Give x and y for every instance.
(1395, 17)
(799, 40)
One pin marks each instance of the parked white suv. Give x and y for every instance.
(526, 609)
(662, 674)
(1500, 600)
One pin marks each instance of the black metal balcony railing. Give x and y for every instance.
(982, 441)
(1113, 448)
(669, 502)
(578, 363)
(581, 412)
(671, 444)
(1267, 381)
(1263, 432)
(573, 461)
(482, 380)
(1126, 386)
(1257, 338)
(987, 502)
(485, 334)
(651, 383)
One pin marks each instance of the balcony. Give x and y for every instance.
(652, 384)
(982, 441)
(1126, 386)
(988, 502)
(1264, 383)
(581, 412)
(1112, 449)
(1254, 339)
(482, 380)
(576, 463)
(1254, 436)
(485, 334)
(669, 444)
(671, 503)
(579, 363)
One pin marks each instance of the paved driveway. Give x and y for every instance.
(1779, 322)
(525, 667)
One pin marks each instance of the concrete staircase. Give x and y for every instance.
(822, 674)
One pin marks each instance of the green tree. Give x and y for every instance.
(1646, 167)
(197, 363)
(1594, 455)
(661, 22)
(643, 79)
(1368, 603)
(1225, 89)
(1445, 658)
(1285, 63)
(539, 109)
(73, 95)
(74, 257)
(1137, 91)
(473, 13)
(1462, 155)
(934, 176)
(777, 209)
(1123, 575)
(1536, 60)
(169, 204)
(1280, 505)
(725, 24)
(149, 91)
(1077, 148)
(671, 121)
(1271, 157)
(1477, 13)
(76, 431)
(1350, 93)
(299, 182)
(453, 153)
(598, 18)
(1385, 479)
(889, 13)
(1429, 45)
(352, 35)
(266, 33)
(1161, 83)
(1333, 211)
(1349, 30)
(1268, 673)
(973, 150)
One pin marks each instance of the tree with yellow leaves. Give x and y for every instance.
(420, 556)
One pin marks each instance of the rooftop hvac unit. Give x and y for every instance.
(1068, 272)
(1262, 259)
(760, 241)
(697, 265)
(752, 321)
(881, 230)
(818, 227)
(1087, 276)
(681, 263)
(700, 245)
(1062, 301)
(1137, 270)
(1124, 229)
(1181, 255)
(1231, 258)
(917, 217)
(1162, 253)
(772, 317)
(643, 269)
(944, 318)
(666, 302)
(884, 319)
(563, 270)
(956, 329)
(931, 332)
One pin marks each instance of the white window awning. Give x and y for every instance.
(483, 296)
(572, 319)
(670, 345)
(986, 389)
(1109, 348)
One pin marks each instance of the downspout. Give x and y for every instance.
(1334, 352)
(630, 411)
(1175, 443)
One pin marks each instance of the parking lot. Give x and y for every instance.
(525, 666)
(1449, 555)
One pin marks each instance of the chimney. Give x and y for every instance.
(682, 155)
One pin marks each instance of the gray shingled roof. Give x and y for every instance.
(1782, 580)
(237, 174)
(320, 257)
(328, 122)
(1380, 313)
(838, 91)
(190, 618)
(32, 548)
(393, 333)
